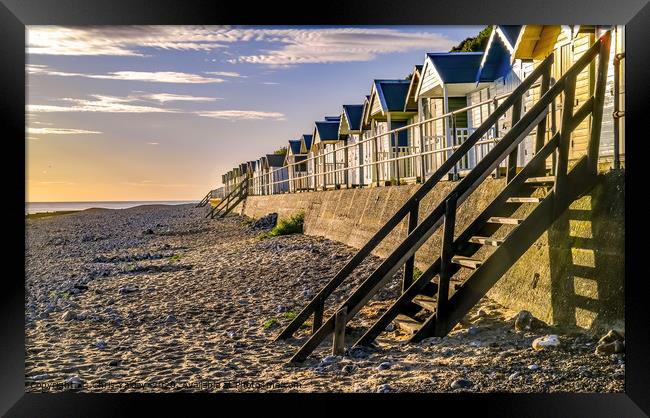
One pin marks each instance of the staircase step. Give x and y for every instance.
(407, 323)
(427, 302)
(541, 180)
(524, 199)
(472, 263)
(504, 221)
(495, 242)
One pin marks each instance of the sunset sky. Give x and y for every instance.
(159, 113)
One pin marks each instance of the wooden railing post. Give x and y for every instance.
(318, 316)
(511, 170)
(395, 149)
(553, 131)
(407, 280)
(360, 180)
(565, 139)
(338, 343)
(541, 128)
(422, 156)
(453, 142)
(447, 252)
(599, 98)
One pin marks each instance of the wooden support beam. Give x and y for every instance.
(318, 317)
(407, 280)
(511, 170)
(445, 260)
(338, 342)
(599, 98)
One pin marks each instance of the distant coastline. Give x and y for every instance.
(50, 207)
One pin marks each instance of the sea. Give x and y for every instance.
(41, 207)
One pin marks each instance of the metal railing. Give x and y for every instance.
(380, 163)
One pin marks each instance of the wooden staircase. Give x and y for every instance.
(495, 239)
(234, 198)
(205, 200)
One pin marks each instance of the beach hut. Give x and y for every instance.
(568, 44)
(296, 165)
(276, 174)
(446, 81)
(497, 75)
(350, 130)
(413, 166)
(324, 147)
(259, 185)
(386, 112)
(306, 141)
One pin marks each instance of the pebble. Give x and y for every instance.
(68, 316)
(513, 376)
(358, 353)
(533, 367)
(349, 368)
(461, 384)
(547, 341)
(385, 388)
(384, 366)
(101, 345)
(124, 290)
(75, 382)
(42, 376)
(524, 321)
(611, 343)
(330, 360)
(171, 319)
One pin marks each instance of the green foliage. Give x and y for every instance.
(475, 44)
(293, 225)
(416, 273)
(271, 323)
(175, 257)
(290, 315)
(280, 151)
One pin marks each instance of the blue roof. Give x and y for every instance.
(392, 94)
(496, 62)
(328, 130)
(353, 114)
(294, 145)
(306, 138)
(333, 118)
(511, 33)
(275, 160)
(456, 67)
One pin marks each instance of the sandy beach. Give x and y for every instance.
(160, 299)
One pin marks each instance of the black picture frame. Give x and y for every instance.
(16, 14)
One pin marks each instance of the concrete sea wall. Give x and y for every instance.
(573, 275)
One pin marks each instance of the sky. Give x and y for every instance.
(160, 112)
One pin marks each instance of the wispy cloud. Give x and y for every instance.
(242, 115)
(285, 46)
(99, 103)
(147, 76)
(270, 83)
(59, 131)
(168, 97)
(129, 104)
(52, 183)
(153, 143)
(226, 74)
